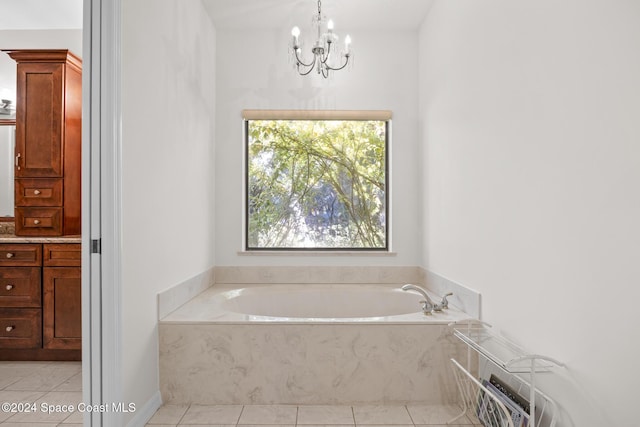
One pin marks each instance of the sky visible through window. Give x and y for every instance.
(316, 184)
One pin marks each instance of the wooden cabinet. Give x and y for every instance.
(48, 142)
(40, 301)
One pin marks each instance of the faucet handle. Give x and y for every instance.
(445, 301)
(427, 307)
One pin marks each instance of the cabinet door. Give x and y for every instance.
(39, 115)
(62, 314)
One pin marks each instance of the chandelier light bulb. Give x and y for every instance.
(324, 59)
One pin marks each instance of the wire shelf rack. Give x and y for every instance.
(515, 364)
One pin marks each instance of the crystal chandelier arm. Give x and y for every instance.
(340, 68)
(295, 52)
(326, 57)
(304, 73)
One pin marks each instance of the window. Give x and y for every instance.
(317, 180)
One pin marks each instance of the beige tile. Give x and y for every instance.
(160, 425)
(168, 414)
(203, 425)
(46, 378)
(10, 424)
(75, 418)
(17, 397)
(389, 425)
(74, 383)
(269, 414)
(212, 414)
(381, 415)
(261, 425)
(55, 414)
(325, 414)
(436, 414)
(324, 425)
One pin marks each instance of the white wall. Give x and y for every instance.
(254, 71)
(24, 39)
(32, 39)
(168, 92)
(529, 121)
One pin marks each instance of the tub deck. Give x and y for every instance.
(206, 308)
(213, 357)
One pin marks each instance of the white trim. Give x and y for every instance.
(145, 413)
(101, 216)
(381, 115)
(91, 268)
(111, 208)
(303, 252)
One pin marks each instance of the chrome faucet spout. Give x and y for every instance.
(427, 305)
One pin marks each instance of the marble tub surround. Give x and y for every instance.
(172, 298)
(307, 364)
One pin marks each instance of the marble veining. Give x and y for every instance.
(307, 364)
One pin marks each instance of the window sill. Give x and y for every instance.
(319, 253)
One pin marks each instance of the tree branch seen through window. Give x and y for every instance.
(316, 184)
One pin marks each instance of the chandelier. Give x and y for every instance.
(321, 49)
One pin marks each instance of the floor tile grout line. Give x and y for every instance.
(406, 407)
(240, 416)
(182, 416)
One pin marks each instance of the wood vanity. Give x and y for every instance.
(40, 304)
(40, 272)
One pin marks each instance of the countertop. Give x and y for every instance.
(12, 238)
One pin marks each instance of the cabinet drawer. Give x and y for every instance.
(62, 255)
(38, 221)
(21, 255)
(20, 287)
(20, 328)
(38, 192)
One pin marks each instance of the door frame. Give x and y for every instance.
(101, 211)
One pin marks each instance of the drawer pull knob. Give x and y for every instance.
(36, 221)
(10, 255)
(9, 328)
(36, 192)
(9, 287)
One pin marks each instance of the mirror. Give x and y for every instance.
(8, 76)
(7, 144)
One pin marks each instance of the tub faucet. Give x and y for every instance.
(427, 305)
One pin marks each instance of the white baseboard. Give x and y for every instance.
(144, 414)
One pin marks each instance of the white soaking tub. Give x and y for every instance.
(307, 344)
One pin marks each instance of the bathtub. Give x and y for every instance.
(307, 344)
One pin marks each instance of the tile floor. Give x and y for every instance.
(58, 383)
(52, 383)
(306, 416)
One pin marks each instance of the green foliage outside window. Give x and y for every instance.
(316, 184)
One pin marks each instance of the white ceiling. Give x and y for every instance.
(360, 14)
(40, 14)
(236, 14)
